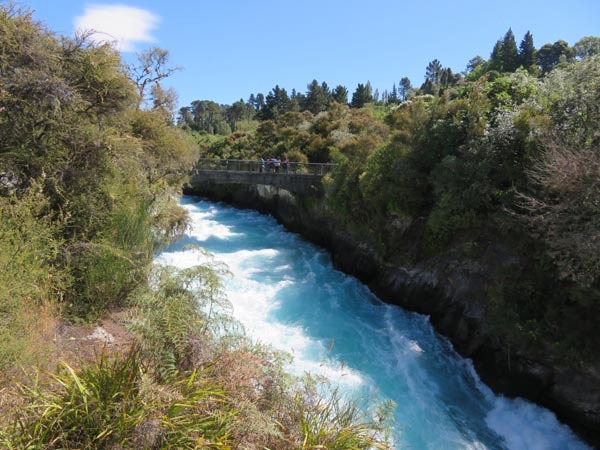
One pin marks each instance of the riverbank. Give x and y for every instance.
(453, 289)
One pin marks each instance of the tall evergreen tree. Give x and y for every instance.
(361, 96)
(252, 101)
(496, 61)
(433, 71)
(277, 102)
(510, 53)
(368, 92)
(393, 97)
(527, 52)
(429, 87)
(340, 94)
(326, 91)
(256, 101)
(315, 99)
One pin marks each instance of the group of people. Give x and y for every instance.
(273, 165)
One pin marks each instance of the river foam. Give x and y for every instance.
(286, 293)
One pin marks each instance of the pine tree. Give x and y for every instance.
(315, 100)
(433, 71)
(393, 97)
(340, 94)
(496, 61)
(510, 54)
(527, 52)
(361, 96)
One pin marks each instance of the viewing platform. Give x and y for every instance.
(301, 178)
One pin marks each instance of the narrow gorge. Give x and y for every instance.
(451, 289)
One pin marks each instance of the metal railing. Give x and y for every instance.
(240, 165)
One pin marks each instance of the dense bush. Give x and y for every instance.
(101, 169)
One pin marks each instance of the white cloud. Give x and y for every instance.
(121, 24)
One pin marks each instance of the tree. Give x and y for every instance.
(369, 92)
(326, 91)
(185, 117)
(428, 87)
(152, 67)
(404, 88)
(393, 97)
(587, 46)
(448, 78)
(252, 101)
(551, 54)
(361, 96)
(260, 101)
(496, 58)
(505, 56)
(316, 98)
(527, 52)
(546, 58)
(563, 209)
(73, 129)
(340, 94)
(474, 63)
(209, 117)
(385, 97)
(163, 100)
(277, 102)
(237, 112)
(510, 54)
(433, 71)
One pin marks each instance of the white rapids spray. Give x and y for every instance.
(287, 294)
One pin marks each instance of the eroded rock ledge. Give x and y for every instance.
(451, 290)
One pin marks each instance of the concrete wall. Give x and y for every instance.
(296, 183)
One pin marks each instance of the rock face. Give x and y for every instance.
(451, 289)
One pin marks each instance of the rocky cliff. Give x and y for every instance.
(452, 289)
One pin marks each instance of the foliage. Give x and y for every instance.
(222, 391)
(178, 314)
(111, 403)
(331, 420)
(527, 52)
(29, 276)
(151, 67)
(102, 167)
(564, 209)
(587, 46)
(87, 176)
(362, 95)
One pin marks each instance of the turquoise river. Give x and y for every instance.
(286, 293)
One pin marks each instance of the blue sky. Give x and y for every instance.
(229, 49)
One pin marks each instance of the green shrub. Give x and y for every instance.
(178, 314)
(112, 404)
(329, 420)
(31, 283)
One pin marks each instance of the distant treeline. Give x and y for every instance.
(506, 57)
